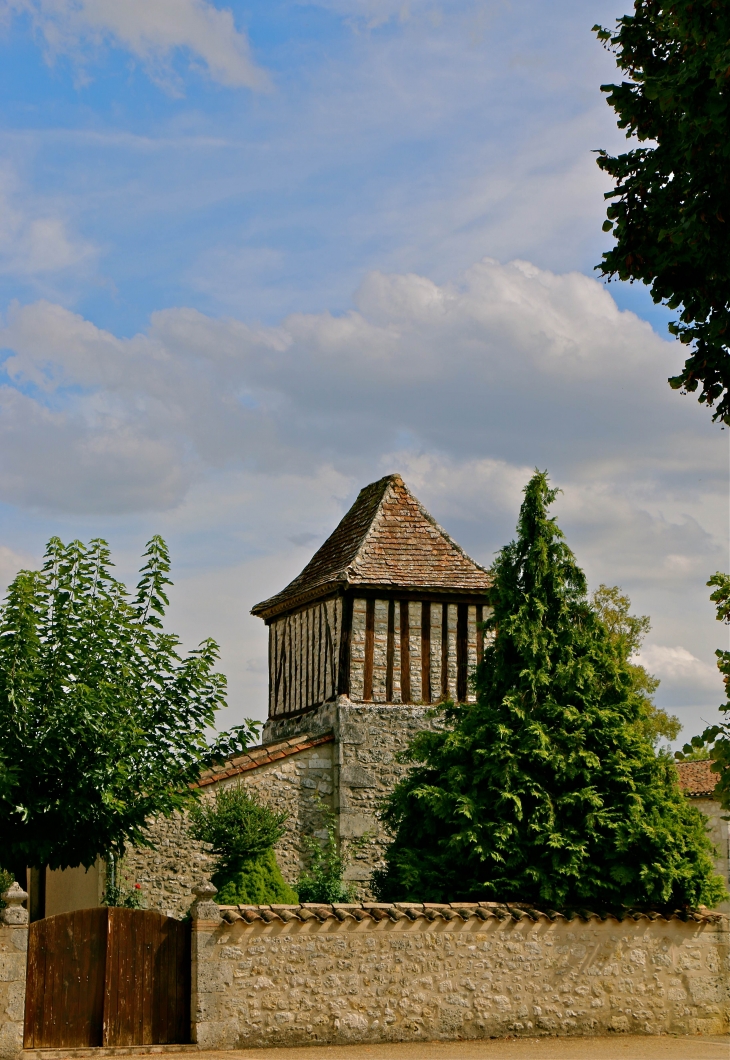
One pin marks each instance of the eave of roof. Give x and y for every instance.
(263, 755)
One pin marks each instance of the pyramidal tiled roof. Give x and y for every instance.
(388, 540)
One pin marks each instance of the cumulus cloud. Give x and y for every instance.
(265, 432)
(510, 363)
(152, 30)
(679, 665)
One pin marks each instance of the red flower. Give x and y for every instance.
(138, 887)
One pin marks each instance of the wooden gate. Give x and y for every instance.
(104, 977)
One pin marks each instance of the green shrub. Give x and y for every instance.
(322, 882)
(242, 831)
(257, 881)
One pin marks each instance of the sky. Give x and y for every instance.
(255, 255)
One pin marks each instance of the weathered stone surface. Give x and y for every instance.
(354, 776)
(13, 947)
(344, 980)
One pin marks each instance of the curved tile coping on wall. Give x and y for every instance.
(395, 911)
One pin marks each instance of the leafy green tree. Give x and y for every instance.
(626, 632)
(103, 721)
(715, 740)
(242, 831)
(670, 208)
(545, 790)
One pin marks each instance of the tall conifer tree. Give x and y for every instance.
(544, 790)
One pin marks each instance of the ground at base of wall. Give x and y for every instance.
(616, 1047)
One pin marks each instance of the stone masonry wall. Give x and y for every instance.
(366, 980)
(370, 738)
(13, 955)
(298, 785)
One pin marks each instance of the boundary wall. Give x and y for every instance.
(370, 973)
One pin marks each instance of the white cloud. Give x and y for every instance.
(680, 666)
(511, 364)
(250, 437)
(152, 30)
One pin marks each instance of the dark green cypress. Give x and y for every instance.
(544, 791)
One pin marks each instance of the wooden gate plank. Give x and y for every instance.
(65, 980)
(151, 928)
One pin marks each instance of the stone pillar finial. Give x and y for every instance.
(204, 908)
(14, 913)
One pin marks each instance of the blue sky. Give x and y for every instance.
(253, 256)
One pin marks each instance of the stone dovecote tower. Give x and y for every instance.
(388, 611)
(384, 621)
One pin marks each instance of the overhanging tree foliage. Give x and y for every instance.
(670, 209)
(626, 633)
(102, 722)
(717, 737)
(545, 790)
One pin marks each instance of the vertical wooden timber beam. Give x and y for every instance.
(426, 651)
(306, 616)
(288, 672)
(405, 653)
(462, 633)
(343, 677)
(367, 689)
(272, 664)
(320, 641)
(390, 652)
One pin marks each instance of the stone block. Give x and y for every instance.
(12, 967)
(354, 825)
(355, 776)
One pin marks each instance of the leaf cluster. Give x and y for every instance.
(237, 825)
(6, 880)
(670, 208)
(626, 633)
(104, 721)
(545, 790)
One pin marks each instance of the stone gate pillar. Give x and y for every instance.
(13, 959)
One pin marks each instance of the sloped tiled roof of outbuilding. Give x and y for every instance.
(697, 778)
(387, 540)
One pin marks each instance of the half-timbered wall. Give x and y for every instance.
(304, 657)
(413, 651)
(374, 651)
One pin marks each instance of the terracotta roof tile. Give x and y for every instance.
(697, 778)
(386, 540)
(264, 755)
